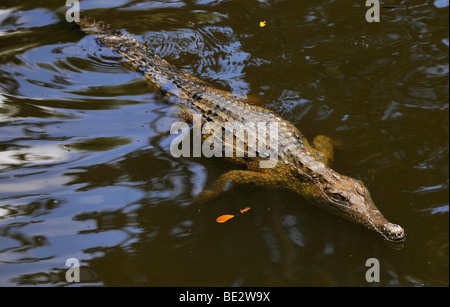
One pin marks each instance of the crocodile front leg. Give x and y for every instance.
(239, 177)
(323, 149)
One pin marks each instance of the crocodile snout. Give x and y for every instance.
(393, 232)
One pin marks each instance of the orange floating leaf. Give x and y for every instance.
(245, 209)
(224, 218)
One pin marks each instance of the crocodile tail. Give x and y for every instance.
(91, 26)
(160, 74)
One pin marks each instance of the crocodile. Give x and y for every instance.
(300, 167)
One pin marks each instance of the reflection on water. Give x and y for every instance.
(86, 171)
(218, 54)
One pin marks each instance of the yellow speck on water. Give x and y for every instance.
(262, 24)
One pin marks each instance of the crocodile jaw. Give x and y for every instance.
(350, 199)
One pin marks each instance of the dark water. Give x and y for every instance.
(86, 172)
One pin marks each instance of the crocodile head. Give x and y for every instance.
(349, 198)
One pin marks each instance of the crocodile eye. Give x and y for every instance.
(338, 197)
(335, 195)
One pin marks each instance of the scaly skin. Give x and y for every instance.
(302, 168)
